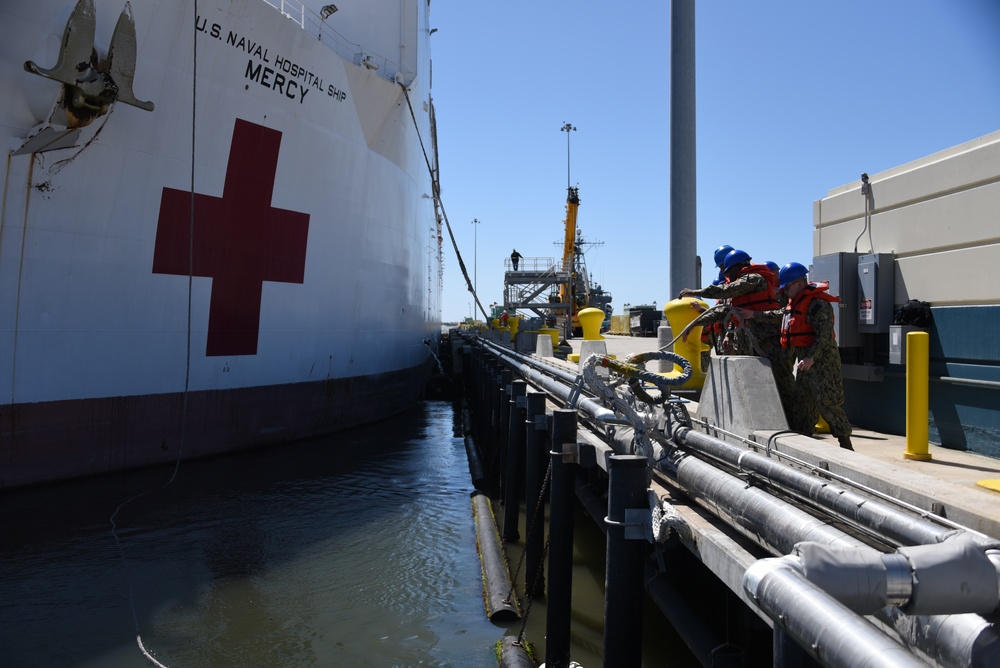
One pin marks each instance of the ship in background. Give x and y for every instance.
(218, 231)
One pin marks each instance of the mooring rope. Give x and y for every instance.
(436, 187)
(642, 422)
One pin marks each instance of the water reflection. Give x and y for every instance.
(358, 549)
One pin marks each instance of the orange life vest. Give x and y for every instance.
(762, 300)
(796, 332)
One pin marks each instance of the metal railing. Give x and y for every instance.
(532, 264)
(343, 47)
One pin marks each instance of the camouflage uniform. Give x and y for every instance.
(765, 333)
(819, 390)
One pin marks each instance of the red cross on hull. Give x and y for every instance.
(239, 242)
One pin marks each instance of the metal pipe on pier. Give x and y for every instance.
(560, 598)
(770, 522)
(549, 382)
(823, 627)
(879, 517)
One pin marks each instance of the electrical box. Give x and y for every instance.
(897, 342)
(875, 292)
(840, 270)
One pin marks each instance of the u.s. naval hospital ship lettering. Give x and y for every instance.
(272, 70)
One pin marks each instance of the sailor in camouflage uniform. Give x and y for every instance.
(750, 288)
(807, 331)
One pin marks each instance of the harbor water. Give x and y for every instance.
(354, 550)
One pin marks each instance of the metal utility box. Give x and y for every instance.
(840, 270)
(875, 292)
(897, 342)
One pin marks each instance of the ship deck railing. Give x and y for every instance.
(318, 27)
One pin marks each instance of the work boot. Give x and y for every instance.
(845, 442)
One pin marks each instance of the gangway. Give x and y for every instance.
(530, 288)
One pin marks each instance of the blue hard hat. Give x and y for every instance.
(721, 279)
(773, 266)
(720, 254)
(790, 273)
(735, 257)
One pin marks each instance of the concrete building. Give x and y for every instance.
(928, 230)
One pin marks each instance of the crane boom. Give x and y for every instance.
(572, 204)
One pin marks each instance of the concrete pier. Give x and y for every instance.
(711, 514)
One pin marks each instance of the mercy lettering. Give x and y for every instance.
(269, 78)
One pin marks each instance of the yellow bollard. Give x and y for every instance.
(514, 323)
(590, 321)
(917, 374)
(552, 332)
(821, 426)
(680, 313)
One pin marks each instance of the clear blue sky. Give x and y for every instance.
(794, 98)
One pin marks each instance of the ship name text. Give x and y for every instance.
(271, 70)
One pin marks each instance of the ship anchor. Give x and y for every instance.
(92, 85)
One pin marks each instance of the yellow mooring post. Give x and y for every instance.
(680, 314)
(590, 322)
(917, 372)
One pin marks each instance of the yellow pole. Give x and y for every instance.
(822, 426)
(917, 372)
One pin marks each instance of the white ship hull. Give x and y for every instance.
(279, 284)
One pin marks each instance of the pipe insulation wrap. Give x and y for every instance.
(951, 577)
(953, 641)
(857, 577)
(826, 629)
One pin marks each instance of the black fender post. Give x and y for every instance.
(623, 590)
(536, 464)
(560, 599)
(515, 461)
(503, 428)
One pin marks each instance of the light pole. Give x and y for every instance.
(475, 256)
(567, 128)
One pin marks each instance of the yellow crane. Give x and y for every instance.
(578, 292)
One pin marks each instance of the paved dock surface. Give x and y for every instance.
(947, 484)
